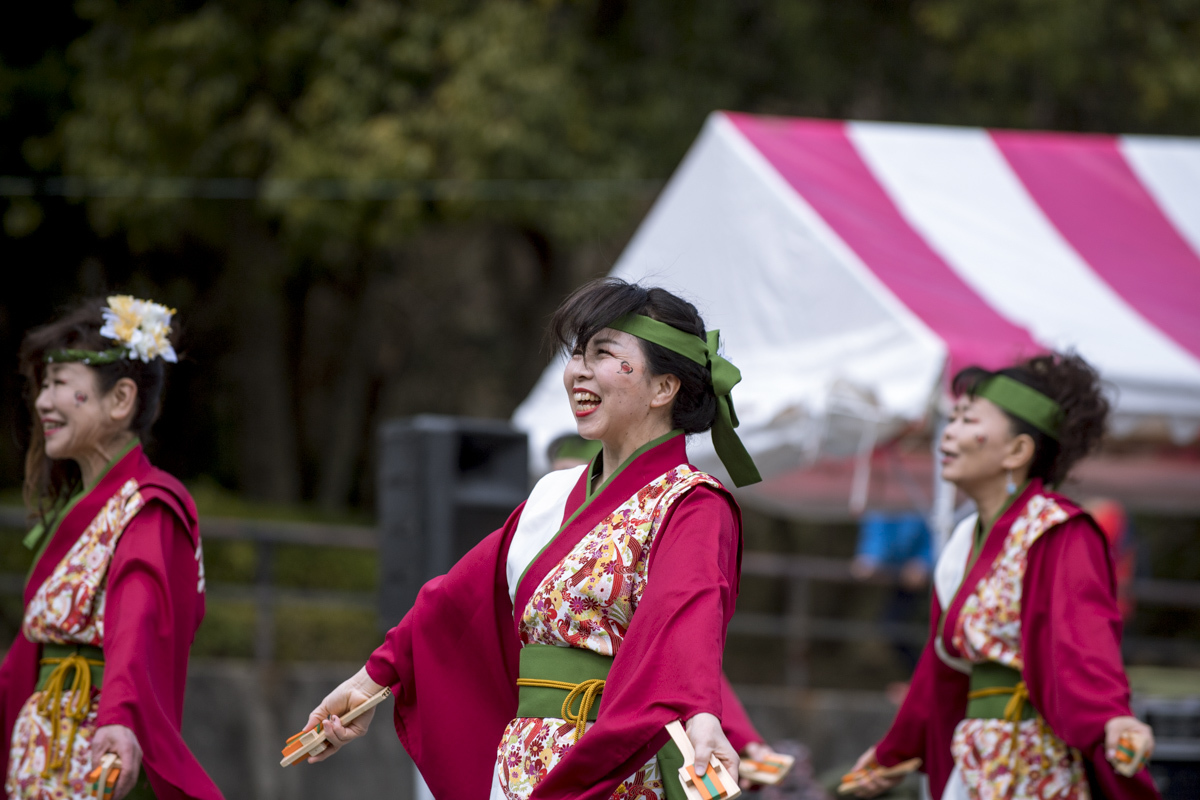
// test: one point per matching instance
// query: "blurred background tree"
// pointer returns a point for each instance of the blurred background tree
(368, 209)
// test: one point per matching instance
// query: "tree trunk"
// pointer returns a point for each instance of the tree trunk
(343, 447)
(255, 281)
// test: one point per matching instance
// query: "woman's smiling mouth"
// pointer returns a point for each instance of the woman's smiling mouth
(585, 402)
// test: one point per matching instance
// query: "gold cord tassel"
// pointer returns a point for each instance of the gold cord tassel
(1012, 713)
(586, 692)
(79, 703)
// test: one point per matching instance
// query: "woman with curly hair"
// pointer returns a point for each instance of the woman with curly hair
(1020, 693)
(116, 590)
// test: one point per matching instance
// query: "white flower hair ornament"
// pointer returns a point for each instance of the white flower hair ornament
(140, 328)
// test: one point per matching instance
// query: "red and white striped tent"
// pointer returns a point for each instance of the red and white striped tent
(853, 266)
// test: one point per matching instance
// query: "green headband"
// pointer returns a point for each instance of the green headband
(725, 376)
(1023, 402)
(89, 357)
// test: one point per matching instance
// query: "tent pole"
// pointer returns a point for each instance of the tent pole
(941, 516)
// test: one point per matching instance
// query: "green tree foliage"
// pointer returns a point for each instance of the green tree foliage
(368, 208)
(344, 114)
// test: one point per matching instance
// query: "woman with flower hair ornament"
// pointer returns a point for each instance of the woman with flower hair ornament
(116, 590)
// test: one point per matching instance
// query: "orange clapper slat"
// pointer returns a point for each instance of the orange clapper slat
(103, 779)
(707, 784)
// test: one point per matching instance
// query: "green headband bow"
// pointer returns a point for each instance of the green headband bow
(1023, 402)
(725, 376)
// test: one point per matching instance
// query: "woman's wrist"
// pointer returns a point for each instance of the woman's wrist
(363, 681)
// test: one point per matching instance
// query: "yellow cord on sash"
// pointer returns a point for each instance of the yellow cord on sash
(586, 692)
(79, 703)
(1012, 713)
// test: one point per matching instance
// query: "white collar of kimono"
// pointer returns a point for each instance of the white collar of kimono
(541, 519)
(948, 576)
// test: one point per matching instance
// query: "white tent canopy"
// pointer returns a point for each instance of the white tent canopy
(851, 266)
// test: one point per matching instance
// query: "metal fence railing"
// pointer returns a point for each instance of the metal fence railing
(266, 536)
(797, 626)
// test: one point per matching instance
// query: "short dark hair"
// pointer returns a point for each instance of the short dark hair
(595, 305)
(49, 482)
(1067, 380)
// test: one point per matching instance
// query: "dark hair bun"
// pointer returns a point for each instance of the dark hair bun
(1072, 383)
(594, 305)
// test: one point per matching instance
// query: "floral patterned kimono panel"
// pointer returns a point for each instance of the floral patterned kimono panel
(50, 749)
(587, 601)
(998, 759)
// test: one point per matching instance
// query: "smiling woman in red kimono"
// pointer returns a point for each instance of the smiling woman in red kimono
(1021, 693)
(547, 662)
(117, 586)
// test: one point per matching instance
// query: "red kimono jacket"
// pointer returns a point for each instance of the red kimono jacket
(1071, 643)
(155, 601)
(452, 662)
(735, 722)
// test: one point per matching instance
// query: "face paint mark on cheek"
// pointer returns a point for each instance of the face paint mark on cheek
(626, 369)
(80, 399)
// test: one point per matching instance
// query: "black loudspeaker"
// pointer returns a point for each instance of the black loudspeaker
(445, 483)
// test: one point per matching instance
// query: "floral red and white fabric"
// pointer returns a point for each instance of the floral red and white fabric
(122, 570)
(588, 602)
(68, 608)
(1035, 764)
(668, 665)
(1068, 640)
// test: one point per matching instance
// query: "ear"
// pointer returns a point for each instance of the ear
(122, 401)
(665, 388)
(1020, 452)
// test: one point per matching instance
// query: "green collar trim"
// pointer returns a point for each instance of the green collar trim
(979, 536)
(590, 473)
(1023, 402)
(725, 376)
(38, 537)
(90, 357)
(983, 531)
(595, 466)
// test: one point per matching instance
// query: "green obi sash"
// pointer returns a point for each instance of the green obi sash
(567, 683)
(998, 692)
(65, 659)
(54, 656)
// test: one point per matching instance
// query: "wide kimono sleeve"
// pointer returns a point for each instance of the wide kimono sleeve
(906, 737)
(1071, 627)
(932, 707)
(735, 722)
(452, 665)
(668, 666)
(154, 604)
(18, 677)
